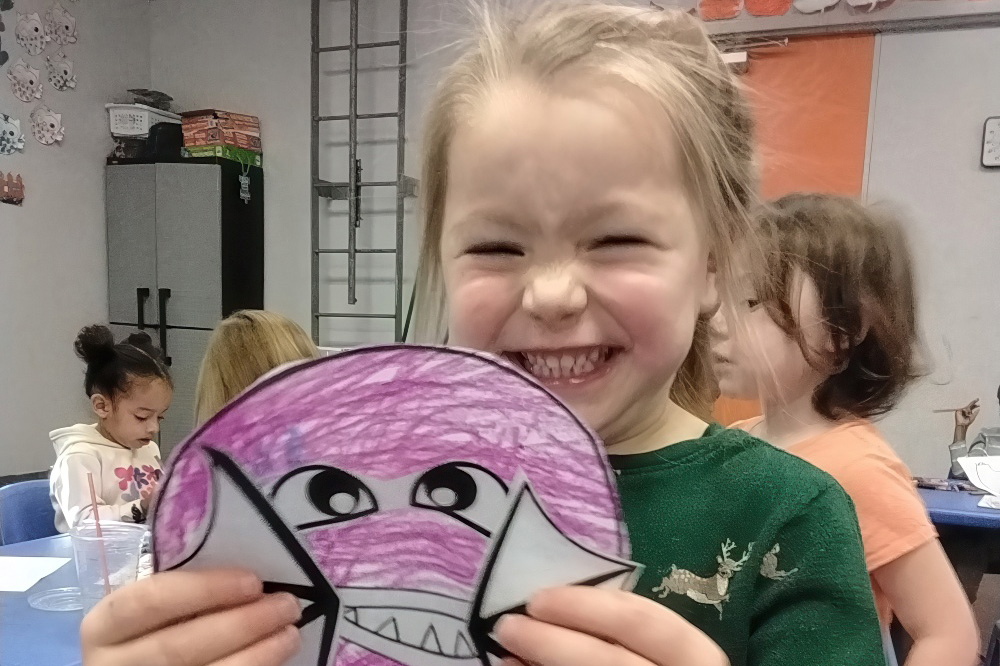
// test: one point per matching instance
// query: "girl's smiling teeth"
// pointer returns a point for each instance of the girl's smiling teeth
(558, 364)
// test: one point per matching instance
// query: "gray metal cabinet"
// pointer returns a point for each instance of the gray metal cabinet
(184, 251)
(131, 220)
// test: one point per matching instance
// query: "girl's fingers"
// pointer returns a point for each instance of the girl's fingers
(274, 650)
(639, 625)
(511, 661)
(536, 642)
(163, 599)
(218, 636)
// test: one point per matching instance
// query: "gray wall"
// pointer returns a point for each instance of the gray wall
(253, 57)
(52, 255)
(933, 93)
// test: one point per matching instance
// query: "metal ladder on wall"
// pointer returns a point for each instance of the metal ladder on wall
(351, 190)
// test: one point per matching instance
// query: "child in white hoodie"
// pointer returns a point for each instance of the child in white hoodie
(130, 389)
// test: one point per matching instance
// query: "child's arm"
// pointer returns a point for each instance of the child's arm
(586, 626)
(193, 618)
(815, 605)
(958, 448)
(71, 490)
(932, 607)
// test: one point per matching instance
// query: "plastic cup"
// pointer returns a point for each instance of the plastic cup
(121, 542)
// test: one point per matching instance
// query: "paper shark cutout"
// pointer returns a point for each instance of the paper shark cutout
(416, 628)
(245, 529)
(529, 554)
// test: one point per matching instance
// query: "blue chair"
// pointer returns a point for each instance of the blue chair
(26, 512)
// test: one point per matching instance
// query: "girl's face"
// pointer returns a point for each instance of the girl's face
(570, 246)
(757, 360)
(133, 420)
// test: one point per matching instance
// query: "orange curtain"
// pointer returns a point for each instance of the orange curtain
(810, 101)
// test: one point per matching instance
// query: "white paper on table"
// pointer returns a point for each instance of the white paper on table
(989, 502)
(983, 472)
(19, 574)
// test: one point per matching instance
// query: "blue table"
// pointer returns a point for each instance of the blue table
(970, 534)
(951, 507)
(29, 637)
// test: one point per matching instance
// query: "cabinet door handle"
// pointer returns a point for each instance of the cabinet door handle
(141, 294)
(164, 294)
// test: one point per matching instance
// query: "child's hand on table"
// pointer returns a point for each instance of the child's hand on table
(176, 618)
(586, 626)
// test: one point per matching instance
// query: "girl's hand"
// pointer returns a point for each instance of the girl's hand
(147, 499)
(587, 626)
(182, 618)
(966, 415)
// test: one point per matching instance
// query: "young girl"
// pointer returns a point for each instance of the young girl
(585, 171)
(829, 343)
(129, 389)
(245, 346)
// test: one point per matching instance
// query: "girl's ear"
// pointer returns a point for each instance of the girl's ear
(710, 301)
(101, 405)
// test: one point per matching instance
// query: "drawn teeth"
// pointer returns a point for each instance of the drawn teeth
(430, 643)
(462, 647)
(401, 625)
(389, 629)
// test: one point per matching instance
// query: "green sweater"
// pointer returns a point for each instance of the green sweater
(755, 547)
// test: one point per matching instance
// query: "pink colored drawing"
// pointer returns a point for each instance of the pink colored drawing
(409, 496)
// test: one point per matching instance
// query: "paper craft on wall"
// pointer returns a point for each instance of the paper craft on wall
(814, 6)
(11, 189)
(46, 126)
(60, 25)
(4, 56)
(60, 71)
(25, 81)
(11, 138)
(409, 497)
(30, 33)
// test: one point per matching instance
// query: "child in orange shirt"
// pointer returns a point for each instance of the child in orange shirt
(824, 338)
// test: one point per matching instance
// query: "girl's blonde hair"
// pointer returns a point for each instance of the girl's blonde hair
(245, 346)
(664, 53)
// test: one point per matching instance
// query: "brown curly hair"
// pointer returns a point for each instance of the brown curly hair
(859, 259)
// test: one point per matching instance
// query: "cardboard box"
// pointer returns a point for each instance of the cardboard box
(221, 137)
(215, 119)
(240, 155)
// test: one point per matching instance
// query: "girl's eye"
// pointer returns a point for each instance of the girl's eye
(159, 418)
(753, 303)
(619, 240)
(496, 248)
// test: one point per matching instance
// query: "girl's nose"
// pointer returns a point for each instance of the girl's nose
(717, 326)
(555, 297)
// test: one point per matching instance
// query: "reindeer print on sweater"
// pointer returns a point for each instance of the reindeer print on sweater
(712, 590)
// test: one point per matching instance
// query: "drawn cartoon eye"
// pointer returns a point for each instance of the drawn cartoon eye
(320, 495)
(469, 493)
